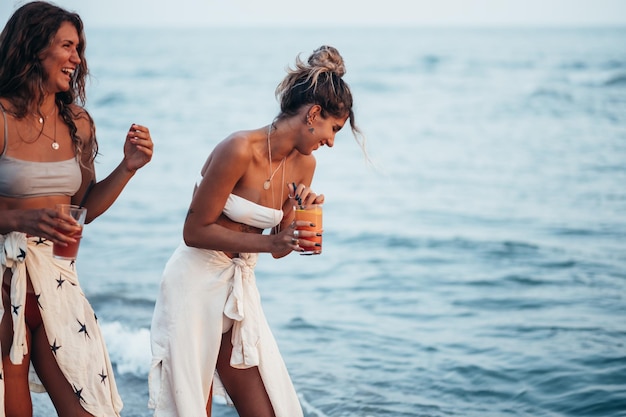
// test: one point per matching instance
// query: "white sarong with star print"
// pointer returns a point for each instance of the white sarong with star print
(71, 326)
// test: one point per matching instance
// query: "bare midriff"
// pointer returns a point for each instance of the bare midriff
(237, 227)
(33, 203)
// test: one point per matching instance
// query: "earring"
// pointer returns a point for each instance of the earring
(309, 123)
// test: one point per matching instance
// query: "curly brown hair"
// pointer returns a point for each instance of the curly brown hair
(25, 37)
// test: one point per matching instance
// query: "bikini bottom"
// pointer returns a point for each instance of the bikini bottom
(31, 313)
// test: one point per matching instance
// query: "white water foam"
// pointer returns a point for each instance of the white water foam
(129, 348)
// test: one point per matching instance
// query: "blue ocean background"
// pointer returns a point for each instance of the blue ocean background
(477, 269)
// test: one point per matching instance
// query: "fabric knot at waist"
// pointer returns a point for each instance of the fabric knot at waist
(13, 249)
(13, 257)
(243, 305)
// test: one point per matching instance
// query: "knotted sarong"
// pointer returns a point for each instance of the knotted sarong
(204, 292)
(71, 326)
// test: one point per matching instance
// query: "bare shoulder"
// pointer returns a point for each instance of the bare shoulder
(3, 107)
(7, 110)
(232, 151)
(82, 119)
(2, 125)
(236, 146)
(80, 114)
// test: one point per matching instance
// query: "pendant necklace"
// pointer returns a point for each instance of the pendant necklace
(268, 182)
(55, 144)
(41, 119)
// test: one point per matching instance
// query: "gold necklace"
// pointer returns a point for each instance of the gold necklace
(277, 227)
(54, 144)
(268, 182)
(41, 118)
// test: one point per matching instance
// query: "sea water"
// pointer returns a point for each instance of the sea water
(477, 268)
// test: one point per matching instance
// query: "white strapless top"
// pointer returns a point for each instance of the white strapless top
(240, 210)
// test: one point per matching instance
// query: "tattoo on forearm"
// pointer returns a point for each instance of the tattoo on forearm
(247, 229)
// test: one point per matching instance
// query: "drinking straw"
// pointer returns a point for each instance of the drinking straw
(297, 197)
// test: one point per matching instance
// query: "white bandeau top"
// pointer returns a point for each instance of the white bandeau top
(244, 211)
(240, 210)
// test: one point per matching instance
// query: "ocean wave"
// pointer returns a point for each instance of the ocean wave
(610, 64)
(551, 94)
(617, 79)
(489, 254)
(568, 392)
(128, 348)
(410, 241)
(601, 231)
(598, 79)
(111, 99)
(298, 323)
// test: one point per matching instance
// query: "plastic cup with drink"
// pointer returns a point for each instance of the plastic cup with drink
(70, 251)
(312, 214)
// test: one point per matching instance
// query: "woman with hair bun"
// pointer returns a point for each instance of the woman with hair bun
(209, 334)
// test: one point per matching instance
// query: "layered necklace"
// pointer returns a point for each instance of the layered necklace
(268, 182)
(42, 120)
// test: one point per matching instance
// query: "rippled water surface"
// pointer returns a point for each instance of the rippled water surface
(479, 270)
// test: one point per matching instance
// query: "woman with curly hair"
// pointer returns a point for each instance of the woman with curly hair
(47, 151)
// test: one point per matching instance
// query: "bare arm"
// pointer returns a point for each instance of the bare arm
(138, 149)
(224, 169)
(43, 222)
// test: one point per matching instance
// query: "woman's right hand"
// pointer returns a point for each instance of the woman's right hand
(49, 224)
(291, 239)
(284, 241)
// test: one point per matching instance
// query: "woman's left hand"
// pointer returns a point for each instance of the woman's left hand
(304, 195)
(138, 147)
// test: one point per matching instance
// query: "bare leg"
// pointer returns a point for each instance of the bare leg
(209, 403)
(60, 391)
(244, 386)
(17, 401)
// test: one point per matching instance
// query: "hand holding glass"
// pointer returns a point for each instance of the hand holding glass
(312, 214)
(70, 251)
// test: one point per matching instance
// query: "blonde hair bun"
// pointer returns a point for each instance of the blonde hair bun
(327, 58)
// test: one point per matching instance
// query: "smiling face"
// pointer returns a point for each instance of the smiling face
(325, 131)
(321, 131)
(61, 59)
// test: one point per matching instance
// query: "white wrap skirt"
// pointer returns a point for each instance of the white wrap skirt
(203, 293)
(70, 323)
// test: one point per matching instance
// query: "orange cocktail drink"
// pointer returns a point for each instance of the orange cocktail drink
(312, 214)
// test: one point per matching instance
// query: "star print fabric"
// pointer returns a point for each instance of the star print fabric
(71, 326)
